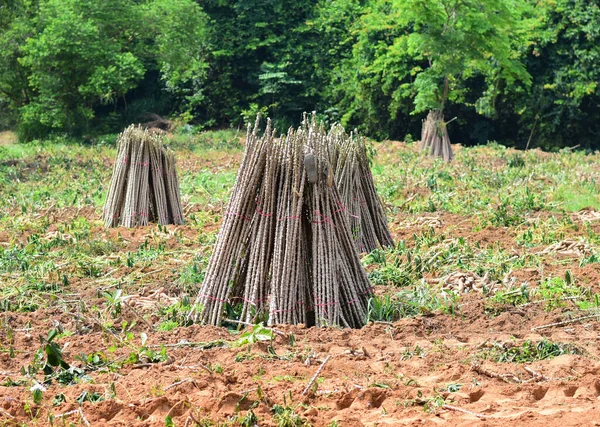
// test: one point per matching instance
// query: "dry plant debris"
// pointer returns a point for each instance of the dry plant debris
(156, 298)
(144, 185)
(588, 215)
(463, 282)
(286, 251)
(568, 247)
(425, 221)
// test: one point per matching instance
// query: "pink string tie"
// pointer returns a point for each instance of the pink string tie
(238, 215)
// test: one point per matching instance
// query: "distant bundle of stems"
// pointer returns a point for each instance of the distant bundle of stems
(144, 186)
(285, 252)
(434, 136)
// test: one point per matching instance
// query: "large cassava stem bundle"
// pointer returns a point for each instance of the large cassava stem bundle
(285, 252)
(144, 185)
(225, 263)
(434, 136)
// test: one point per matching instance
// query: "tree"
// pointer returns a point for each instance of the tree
(180, 47)
(15, 27)
(66, 60)
(330, 44)
(424, 53)
(80, 55)
(258, 59)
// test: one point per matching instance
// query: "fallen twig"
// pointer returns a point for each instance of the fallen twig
(483, 344)
(407, 201)
(3, 412)
(73, 412)
(124, 388)
(464, 411)
(175, 384)
(314, 378)
(83, 418)
(158, 270)
(174, 406)
(66, 414)
(183, 343)
(322, 392)
(138, 315)
(507, 378)
(565, 322)
(192, 367)
(535, 375)
(142, 365)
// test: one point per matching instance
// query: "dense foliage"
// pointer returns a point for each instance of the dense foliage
(515, 71)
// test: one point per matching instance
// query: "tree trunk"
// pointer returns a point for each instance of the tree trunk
(434, 136)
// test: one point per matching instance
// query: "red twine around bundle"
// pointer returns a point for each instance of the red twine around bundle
(325, 219)
(342, 208)
(210, 297)
(254, 303)
(289, 310)
(261, 213)
(238, 215)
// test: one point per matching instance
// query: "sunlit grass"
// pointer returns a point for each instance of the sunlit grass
(574, 197)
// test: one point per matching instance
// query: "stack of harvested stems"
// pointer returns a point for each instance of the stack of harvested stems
(144, 185)
(368, 222)
(285, 252)
(434, 136)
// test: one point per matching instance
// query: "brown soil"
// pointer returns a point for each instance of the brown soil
(375, 375)
(384, 374)
(381, 375)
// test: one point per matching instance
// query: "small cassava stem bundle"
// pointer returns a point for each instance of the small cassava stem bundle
(434, 136)
(144, 185)
(285, 252)
(365, 210)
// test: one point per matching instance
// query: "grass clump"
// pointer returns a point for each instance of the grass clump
(530, 351)
(573, 198)
(557, 292)
(421, 300)
(285, 416)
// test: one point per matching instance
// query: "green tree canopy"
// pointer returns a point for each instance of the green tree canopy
(415, 55)
(67, 58)
(510, 70)
(563, 106)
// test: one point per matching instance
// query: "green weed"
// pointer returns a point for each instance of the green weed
(529, 351)
(285, 416)
(421, 300)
